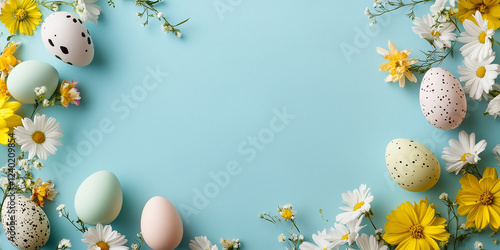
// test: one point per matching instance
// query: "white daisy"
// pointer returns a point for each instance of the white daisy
(87, 10)
(321, 243)
(496, 151)
(439, 35)
(343, 234)
(104, 238)
(479, 76)
(370, 243)
(462, 152)
(358, 203)
(494, 107)
(476, 38)
(39, 137)
(202, 243)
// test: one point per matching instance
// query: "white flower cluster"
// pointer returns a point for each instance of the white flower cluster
(478, 71)
(347, 231)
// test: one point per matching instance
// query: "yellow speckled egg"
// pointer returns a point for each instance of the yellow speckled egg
(412, 165)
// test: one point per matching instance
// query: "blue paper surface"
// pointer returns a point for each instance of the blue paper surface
(287, 95)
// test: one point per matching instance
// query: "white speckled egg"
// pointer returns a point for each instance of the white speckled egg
(411, 165)
(25, 223)
(442, 99)
(66, 37)
(99, 198)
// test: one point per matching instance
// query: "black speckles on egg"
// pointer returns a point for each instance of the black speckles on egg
(442, 99)
(70, 41)
(412, 166)
(31, 227)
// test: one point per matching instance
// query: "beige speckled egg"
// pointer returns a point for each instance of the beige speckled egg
(442, 99)
(25, 224)
(411, 165)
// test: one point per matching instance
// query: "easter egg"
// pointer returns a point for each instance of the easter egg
(99, 198)
(161, 224)
(442, 99)
(25, 224)
(412, 165)
(66, 37)
(27, 76)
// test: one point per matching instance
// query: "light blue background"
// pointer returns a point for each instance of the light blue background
(227, 75)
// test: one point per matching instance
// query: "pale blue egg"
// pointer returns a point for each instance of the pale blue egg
(99, 198)
(28, 75)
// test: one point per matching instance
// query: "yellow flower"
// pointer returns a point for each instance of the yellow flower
(490, 10)
(22, 15)
(42, 191)
(4, 92)
(415, 226)
(69, 93)
(398, 65)
(286, 214)
(480, 200)
(8, 119)
(7, 59)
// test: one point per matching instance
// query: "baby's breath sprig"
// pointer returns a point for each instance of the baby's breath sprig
(381, 8)
(78, 224)
(138, 242)
(149, 10)
(230, 244)
(432, 58)
(286, 213)
(460, 231)
(54, 5)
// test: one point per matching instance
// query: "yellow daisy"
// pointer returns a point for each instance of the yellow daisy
(415, 226)
(3, 89)
(22, 15)
(398, 65)
(490, 10)
(7, 59)
(480, 200)
(43, 190)
(8, 119)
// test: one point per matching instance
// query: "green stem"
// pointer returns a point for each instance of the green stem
(370, 219)
(293, 222)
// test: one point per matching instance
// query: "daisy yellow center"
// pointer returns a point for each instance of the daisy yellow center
(482, 8)
(464, 157)
(287, 214)
(42, 191)
(417, 231)
(486, 198)
(103, 245)
(435, 33)
(481, 72)
(482, 37)
(345, 237)
(38, 137)
(21, 14)
(359, 205)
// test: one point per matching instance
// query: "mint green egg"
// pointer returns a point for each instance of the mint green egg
(28, 75)
(99, 198)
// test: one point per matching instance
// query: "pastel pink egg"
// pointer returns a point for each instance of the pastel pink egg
(442, 99)
(161, 224)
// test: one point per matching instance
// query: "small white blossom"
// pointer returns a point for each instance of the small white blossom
(301, 237)
(134, 246)
(46, 103)
(64, 243)
(464, 227)
(367, 11)
(40, 90)
(478, 245)
(294, 237)
(496, 151)
(139, 15)
(178, 34)
(281, 238)
(159, 15)
(60, 207)
(4, 182)
(55, 7)
(37, 164)
(443, 196)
